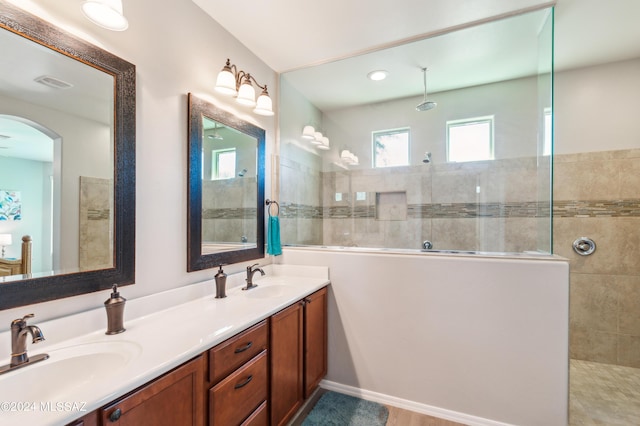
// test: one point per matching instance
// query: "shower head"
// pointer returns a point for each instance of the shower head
(427, 158)
(425, 105)
(241, 174)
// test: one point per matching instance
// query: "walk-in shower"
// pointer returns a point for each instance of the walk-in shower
(473, 174)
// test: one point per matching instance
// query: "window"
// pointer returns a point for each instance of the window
(470, 139)
(223, 163)
(391, 148)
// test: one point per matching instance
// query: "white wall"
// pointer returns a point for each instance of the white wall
(476, 340)
(28, 177)
(513, 104)
(177, 49)
(86, 150)
(596, 108)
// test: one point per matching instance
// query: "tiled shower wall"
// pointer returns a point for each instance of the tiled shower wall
(225, 217)
(490, 206)
(480, 206)
(597, 195)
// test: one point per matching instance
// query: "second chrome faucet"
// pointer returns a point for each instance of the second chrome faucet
(250, 271)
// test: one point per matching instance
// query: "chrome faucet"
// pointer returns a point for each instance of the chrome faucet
(250, 271)
(19, 331)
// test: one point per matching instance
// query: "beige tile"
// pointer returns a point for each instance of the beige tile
(630, 178)
(628, 304)
(591, 179)
(454, 234)
(628, 351)
(616, 241)
(391, 206)
(403, 234)
(594, 302)
(457, 186)
(590, 345)
(602, 394)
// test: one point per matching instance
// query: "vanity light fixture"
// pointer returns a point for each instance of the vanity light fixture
(349, 158)
(377, 75)
(317, 138)
(106, 14)
(324, 144)
(308, 132)
(5, 240)
(236, 83)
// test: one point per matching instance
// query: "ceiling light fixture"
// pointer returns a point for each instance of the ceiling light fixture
(236, 83)
(106, 14)
(377, 75)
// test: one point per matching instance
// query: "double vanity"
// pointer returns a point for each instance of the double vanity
(250, 358)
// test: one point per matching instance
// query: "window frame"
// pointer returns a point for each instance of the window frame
(470, 121)
(385, 132)
(215, 163)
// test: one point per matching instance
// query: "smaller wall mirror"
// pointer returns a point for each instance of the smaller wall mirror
(226, 188)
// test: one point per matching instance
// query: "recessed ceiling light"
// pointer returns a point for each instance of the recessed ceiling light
(377, 75)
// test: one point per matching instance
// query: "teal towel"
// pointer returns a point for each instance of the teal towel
(274, 247)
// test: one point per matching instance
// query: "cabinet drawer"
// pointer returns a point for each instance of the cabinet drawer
(231, 354)
(234, 399)
(260, 417)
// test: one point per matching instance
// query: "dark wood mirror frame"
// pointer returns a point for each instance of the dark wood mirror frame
(198, 109)
(30, 290)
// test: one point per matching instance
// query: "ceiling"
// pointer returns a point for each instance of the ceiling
(326, 48)
(89, 94)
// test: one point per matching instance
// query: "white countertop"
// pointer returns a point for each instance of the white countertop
(159, 337)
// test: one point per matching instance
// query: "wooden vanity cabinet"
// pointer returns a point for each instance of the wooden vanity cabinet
(298, 351)
(315, 340)
(238, 373)
(259, 377)
(173, 399)
(90, 419)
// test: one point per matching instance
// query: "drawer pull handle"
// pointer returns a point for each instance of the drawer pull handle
(245, 383)
(115, 415)
(244, 348)
(307, 300)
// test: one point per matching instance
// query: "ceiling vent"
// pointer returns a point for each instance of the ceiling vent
(53, 82)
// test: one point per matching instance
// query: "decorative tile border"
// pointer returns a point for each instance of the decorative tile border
(596, 208)
(232, 213)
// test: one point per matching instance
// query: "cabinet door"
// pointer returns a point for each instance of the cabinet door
(173, 399)
(286, 363)
(315, 340)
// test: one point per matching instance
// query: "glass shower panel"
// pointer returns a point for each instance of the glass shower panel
(489, 73)
(545, 135)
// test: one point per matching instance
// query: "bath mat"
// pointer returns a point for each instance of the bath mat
(336, 409)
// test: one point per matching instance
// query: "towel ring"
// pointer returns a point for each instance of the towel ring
(268, 202)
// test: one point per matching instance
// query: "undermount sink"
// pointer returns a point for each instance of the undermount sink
(266, 292)
(65, 370)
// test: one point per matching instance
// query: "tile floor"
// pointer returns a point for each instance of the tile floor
(603, 394)
(599, 394)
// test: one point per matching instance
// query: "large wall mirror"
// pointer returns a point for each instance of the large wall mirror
(67, 162)
(226, 187)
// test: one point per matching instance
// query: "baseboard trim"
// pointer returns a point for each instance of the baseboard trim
(410, 405)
